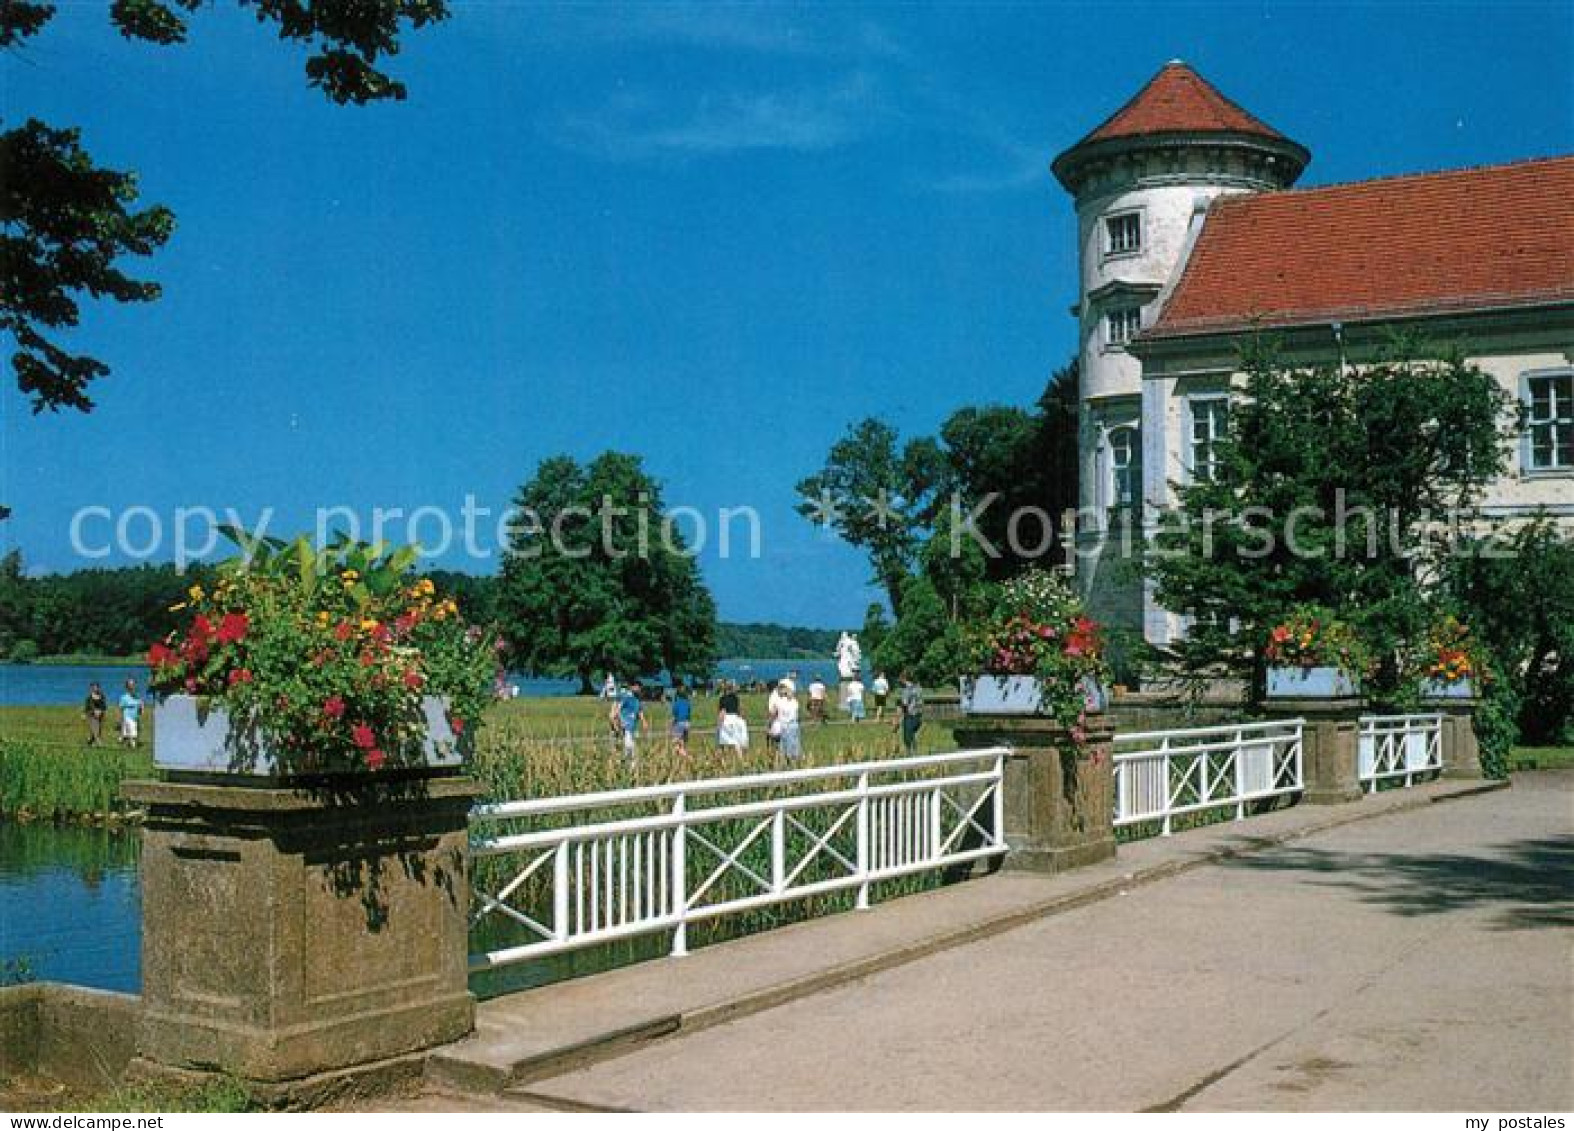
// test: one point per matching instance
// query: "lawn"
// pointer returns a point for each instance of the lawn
(1542, 758)
(528, 748)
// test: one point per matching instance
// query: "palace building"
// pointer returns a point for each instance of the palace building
(1192, 237)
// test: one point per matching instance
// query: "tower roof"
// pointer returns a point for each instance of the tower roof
(1178, 100)
(1178, 107)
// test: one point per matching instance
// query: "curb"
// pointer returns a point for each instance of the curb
(475, 1077)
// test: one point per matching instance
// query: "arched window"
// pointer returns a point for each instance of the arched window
(1124, 448)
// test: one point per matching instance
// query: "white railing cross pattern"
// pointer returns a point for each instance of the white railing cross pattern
(1160, 775)
(1399, 746)
(629, 876)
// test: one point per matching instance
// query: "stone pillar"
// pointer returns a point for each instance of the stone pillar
(1330, 744)
(289, 933)
(1461, 751)
(1059, 800)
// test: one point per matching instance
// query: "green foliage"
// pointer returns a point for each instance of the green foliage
(777, 641)
(925, 643)
(68, 221)
(876, 628)
(1364, 458)
(889, 498)
(24, 651)
(1517, 594)
(51, 783)
(591, 584)
(877, 494)
(102, 612)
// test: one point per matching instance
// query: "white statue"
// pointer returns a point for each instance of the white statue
(849, 656)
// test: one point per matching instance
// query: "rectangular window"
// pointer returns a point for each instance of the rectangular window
(1122, 325)
(1551, 421)
(1125, 466)
(1209, 422)
(1123, 233)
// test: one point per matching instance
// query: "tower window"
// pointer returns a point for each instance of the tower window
(1123, 233)
(1550, 422)
(1125, 466)
(1122, 324)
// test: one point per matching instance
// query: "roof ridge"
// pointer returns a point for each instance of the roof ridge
(1301, 191)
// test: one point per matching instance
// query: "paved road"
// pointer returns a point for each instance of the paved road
(1422, 961)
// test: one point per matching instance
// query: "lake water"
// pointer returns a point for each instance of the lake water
(70, 905)
(41, 685)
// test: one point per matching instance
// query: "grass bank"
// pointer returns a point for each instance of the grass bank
(529, 748)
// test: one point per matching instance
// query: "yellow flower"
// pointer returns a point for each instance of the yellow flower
(195, 592)
(368, 625)
(350, 575)
(177, 606)
(323, 618)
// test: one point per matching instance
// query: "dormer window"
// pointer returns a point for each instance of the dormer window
(1123, 234)
(1121, 325)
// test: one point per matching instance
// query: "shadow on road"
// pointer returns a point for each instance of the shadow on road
(1531, 881)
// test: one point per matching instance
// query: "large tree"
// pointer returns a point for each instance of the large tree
(595, 581)
(67, 222)
(888, 497)
(1334, 487)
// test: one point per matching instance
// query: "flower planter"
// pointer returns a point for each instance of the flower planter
(1448, 688)
(1001, 695)
(1311, 683)
(1019, 695)
(189, 740)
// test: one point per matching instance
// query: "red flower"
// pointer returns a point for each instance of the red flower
(159, 655)
(363, 736)
(342, 630)
(191, 685)
(333, 706)
(458, 724)
(413, 680)
(232, 629)
(240, 675)
(375, 759)
(201, 628)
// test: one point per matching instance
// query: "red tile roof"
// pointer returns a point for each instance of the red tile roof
(1178, 100)
(1435, 243)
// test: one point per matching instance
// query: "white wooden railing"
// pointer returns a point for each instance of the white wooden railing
(1399, 746)
(697, 850)
(1162, 774)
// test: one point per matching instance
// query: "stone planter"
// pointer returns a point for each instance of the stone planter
(189, 740)
(290, 933)
(1448, 688)
(1311, 683)
(1018, 695)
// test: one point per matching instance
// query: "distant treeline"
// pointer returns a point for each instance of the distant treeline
(774, 641)
(119, 612)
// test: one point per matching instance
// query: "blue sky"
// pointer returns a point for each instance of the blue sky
(711, 235)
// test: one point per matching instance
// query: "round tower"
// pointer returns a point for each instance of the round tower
(1142, 181)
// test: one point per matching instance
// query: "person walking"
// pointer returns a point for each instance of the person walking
(882, 691)
(732, 730)
(909, 713)
(773, 730)
(682, 713)
(817, 700)
(94, 709)
(784, 722)
(854, 690)
(131, 716)
(627, 716)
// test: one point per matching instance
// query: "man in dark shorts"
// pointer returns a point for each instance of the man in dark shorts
(910, 713)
